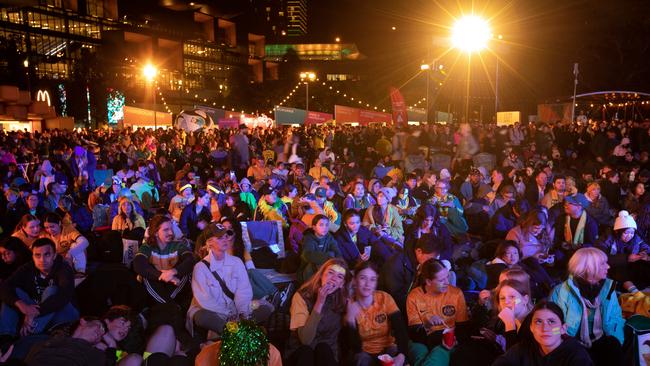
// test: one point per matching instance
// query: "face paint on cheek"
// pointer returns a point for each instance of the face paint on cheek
(517, 301)
(557, 331)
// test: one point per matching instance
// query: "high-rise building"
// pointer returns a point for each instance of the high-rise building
(284, 17)
(296, 17)
(199, 51)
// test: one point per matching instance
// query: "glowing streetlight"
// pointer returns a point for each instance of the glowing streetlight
(337, 39)
(425, 67)
(307, 76)
(470, 34)
(150, 71)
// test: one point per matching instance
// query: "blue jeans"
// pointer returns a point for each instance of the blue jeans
(10, 316)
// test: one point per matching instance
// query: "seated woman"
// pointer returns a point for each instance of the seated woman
(449, 208)
(353, 239)
(127, 218)
(590, 306)
(383, 218)
(433, 308)
(358, 199)
(28, 230)
(318, 245)
(317, 310)
(70, 244)
(375, 324)
(427, 221)
(531, 236)
(506, 256)
(13, 254)
(221, 287)
(196, 216)
(235, 208)
(503, 329)
(164, 264)
(628, 253)
(549, 343)
(183, 198)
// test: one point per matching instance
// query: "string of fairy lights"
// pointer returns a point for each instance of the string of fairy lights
(295, 90)
(352, 100)
(198, 99)
(417, 104)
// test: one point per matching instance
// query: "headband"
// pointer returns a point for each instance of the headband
(338, 269)
(185, 187)
(213, 189)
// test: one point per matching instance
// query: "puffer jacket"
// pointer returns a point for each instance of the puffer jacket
(567, 296)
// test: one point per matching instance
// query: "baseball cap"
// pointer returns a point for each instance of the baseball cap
(219, 231)
(573, 200)
(60, 178)
(267, 190)
(321, 192)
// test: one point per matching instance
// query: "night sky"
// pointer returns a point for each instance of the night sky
(610, 40)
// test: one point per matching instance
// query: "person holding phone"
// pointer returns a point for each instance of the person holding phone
(317, 310)
(356, 242)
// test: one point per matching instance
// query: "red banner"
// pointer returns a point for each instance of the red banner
(345, 114)
(400, 115)
(317, 118)
(366, 116)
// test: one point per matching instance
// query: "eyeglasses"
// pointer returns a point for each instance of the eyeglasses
(229, 233)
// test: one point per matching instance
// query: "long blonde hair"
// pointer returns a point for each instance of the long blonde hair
(309, 290)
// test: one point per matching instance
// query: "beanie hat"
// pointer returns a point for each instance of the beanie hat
(444, 174)
(624, 221)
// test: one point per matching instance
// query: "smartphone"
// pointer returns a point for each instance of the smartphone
(366, 250)
(232, 174)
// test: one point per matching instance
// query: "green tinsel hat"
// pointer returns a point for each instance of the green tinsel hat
(244, 343)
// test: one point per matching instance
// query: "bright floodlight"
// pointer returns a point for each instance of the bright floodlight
(470, 33)
(308, 75)
(149, 72)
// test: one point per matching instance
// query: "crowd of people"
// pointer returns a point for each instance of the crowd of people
(413, 245)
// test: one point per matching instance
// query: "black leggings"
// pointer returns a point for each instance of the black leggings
(321, 355)
(606, 351)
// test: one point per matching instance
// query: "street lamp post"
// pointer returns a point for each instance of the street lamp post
(150, 73)
(307, 76)
(470, 34)
(427, 68)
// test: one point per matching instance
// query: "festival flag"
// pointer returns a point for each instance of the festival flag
(400, 115)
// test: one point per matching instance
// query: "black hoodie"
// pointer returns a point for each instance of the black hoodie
(569, 353)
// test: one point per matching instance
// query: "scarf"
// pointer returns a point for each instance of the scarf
(585, 336)
(577, 239)
(589, 297)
